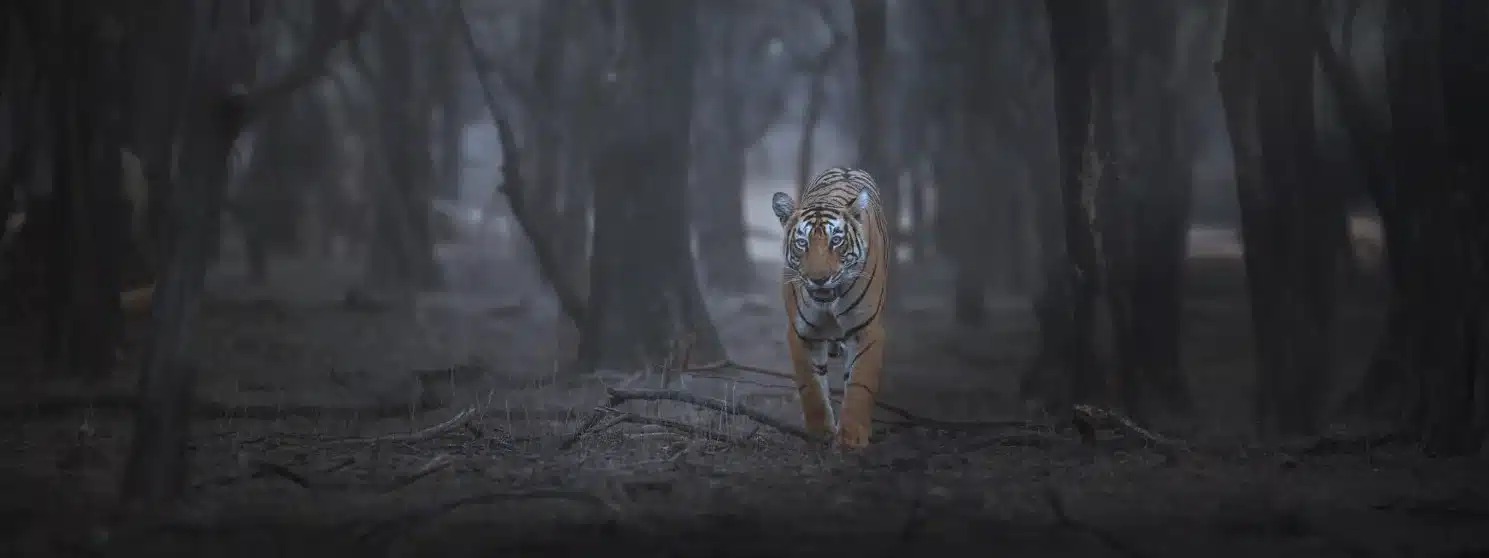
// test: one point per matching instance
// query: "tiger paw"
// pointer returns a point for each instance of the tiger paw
(852, 437)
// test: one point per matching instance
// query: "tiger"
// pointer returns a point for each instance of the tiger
(835, 283)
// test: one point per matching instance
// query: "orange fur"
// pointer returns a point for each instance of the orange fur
(835, 246)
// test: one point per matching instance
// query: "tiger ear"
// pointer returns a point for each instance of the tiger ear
(783, 206)
(861, 203)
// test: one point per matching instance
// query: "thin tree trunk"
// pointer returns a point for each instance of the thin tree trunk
(871, 34)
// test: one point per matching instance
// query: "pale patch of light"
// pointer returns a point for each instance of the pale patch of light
(775, 47)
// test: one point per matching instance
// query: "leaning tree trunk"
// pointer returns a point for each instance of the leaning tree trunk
(643, 294)
(1266, 85)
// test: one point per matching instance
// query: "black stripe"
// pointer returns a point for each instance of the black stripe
(848, 374)
(866, 286)
(872, 317)
(865, 348)
(809, 339)
(801, 314)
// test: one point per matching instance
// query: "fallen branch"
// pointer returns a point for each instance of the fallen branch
(618, 396)
(584, 429)
(460, 419)
(1095, 417)
(622, 417)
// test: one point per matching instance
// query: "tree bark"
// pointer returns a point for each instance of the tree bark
(1148, 218)
(87, 204)
(1266, 87)
(1431, 368)
(643, 294)
(1068, 303)
(402, 255)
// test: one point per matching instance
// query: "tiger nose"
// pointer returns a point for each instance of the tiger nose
(818, 282)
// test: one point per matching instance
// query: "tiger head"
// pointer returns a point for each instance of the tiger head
(826, 246)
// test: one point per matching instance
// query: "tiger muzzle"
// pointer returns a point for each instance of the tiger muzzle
(824, 294)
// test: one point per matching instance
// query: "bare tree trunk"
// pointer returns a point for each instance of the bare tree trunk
(157, 469)
(643, 294)
(719, 171)
(1431, 369)
(402, 255)
(87, 205)
(1147, 219)
(1266, 86)
(212, 116)
(1068, 303)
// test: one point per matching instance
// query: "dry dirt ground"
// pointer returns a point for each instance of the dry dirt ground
(319, 430)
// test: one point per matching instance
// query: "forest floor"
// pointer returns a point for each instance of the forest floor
(319, 430)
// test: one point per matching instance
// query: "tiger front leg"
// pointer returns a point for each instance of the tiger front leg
(809, 367)
(861, 385)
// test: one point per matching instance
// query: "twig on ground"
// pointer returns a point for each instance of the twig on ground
(584, 429)
(618, 396)
(459, 420)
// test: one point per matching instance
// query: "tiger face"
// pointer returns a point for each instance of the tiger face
(825, 245)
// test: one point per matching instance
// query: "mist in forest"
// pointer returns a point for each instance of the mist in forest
(478, 251)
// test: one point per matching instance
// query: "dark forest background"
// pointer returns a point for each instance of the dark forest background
(1270, 211)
